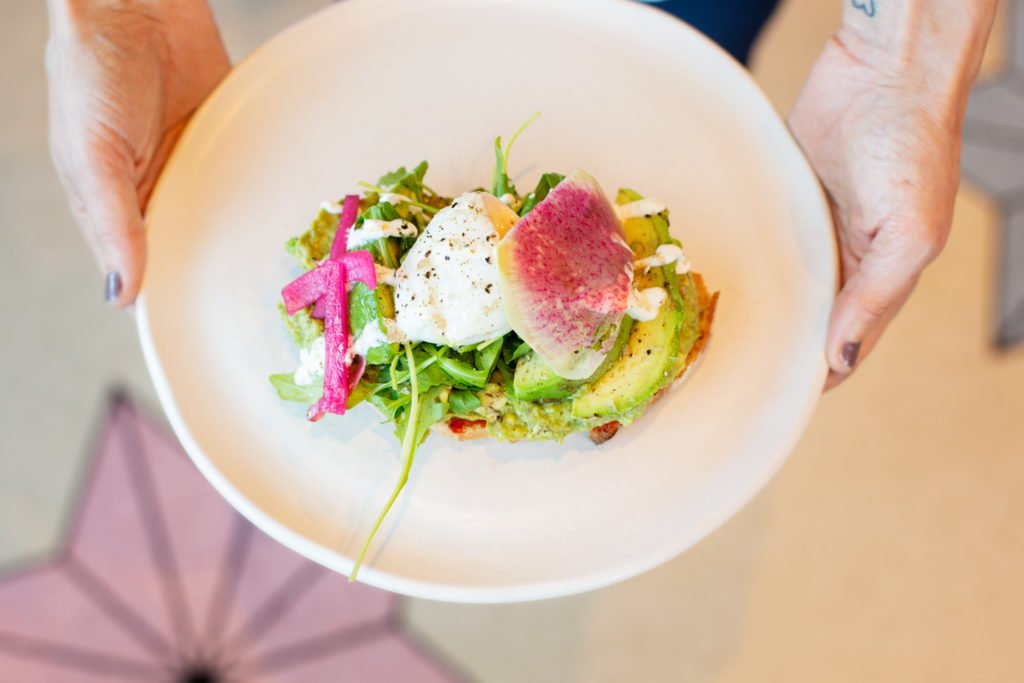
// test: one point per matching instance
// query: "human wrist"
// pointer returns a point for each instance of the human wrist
(934, 45)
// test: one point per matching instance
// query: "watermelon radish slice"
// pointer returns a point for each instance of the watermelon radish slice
(326, 287)
(349, 214)
(336, 365)
(309, 288)
(565, 273)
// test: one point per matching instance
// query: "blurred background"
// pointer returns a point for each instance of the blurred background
(890, 546)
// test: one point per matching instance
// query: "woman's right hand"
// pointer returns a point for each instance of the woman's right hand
(124, 77)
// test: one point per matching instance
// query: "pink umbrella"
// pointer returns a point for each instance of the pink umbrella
(161, 580)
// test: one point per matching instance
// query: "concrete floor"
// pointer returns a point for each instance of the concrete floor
(889, 547)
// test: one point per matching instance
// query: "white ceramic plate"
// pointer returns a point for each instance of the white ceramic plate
(628, 93)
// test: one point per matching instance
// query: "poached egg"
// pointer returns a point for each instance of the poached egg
(446, 290)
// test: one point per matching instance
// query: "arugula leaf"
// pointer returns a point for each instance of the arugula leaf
(288, 390)
(434, 376)
(422, 412)
(363, 310)
(381, 355)
(432, 411)
(411, 201)
(427, 374)
(382, 250)
(462, 402)
(501, 184)
(360, 393)
(513, 348)
(520, 351)
(389, 406)
(381, 211)
(410, 180)
(507, 385)
(546, 183)
(463, 372)
(485, 358)
(362, 307)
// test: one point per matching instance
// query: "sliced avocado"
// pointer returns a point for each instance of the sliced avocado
(385, 299)
(625, 329)
(660, 224)
(646, 363)
(535, 380)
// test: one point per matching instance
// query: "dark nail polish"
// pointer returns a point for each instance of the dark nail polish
(112, 289)
(849, 354)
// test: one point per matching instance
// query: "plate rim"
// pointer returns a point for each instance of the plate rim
(337, 561)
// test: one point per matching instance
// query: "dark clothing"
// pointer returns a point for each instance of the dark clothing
(734, 24)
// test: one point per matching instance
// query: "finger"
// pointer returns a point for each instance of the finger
(873, 295)
(106, 207)
(834, 379)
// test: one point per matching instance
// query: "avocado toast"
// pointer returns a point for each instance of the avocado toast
(647, 359)
(521, 317)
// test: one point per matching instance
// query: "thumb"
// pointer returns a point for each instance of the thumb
(872, 296)
(106, 207)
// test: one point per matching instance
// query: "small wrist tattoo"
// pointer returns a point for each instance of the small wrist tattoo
(865, 6)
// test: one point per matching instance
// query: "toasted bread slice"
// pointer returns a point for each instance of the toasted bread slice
(462, 430)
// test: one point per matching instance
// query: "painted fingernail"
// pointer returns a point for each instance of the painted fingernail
(112, 288)
(849, 354)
